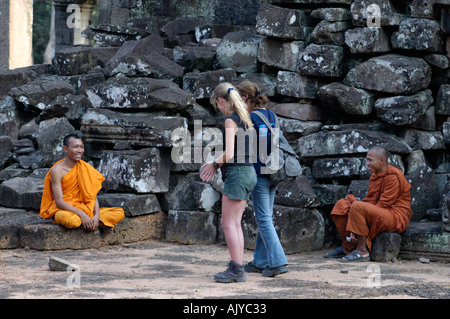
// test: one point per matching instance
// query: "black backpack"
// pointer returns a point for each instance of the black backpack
(287, 159)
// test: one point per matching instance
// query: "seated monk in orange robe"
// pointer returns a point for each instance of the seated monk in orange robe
(386, 208)
(70, 192)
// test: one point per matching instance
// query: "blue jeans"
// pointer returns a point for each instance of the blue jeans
(268, 250)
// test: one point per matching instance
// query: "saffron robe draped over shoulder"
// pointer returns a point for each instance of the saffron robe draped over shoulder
(80, 187)
(386, 208)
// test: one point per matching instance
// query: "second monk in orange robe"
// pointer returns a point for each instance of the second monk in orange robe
(70, 192)
(386, 208)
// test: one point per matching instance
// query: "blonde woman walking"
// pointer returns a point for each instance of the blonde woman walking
(238, 175)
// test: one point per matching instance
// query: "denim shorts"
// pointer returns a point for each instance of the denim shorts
(239, 182)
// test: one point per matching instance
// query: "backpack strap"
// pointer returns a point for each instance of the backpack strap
(266, 121)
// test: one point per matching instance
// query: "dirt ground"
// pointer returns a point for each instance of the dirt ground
(161, 270)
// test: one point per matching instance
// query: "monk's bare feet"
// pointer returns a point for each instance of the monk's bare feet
(104, 230)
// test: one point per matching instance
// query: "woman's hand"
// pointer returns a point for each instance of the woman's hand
(208, 171)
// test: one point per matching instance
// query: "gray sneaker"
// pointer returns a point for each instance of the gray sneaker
(234, 273)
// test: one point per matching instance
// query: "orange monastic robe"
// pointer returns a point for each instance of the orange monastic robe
(386, 208)
(80, 187)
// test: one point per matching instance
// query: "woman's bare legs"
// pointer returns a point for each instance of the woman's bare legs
(232, 211)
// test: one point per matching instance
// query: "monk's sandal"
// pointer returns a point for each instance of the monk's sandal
(354, 256)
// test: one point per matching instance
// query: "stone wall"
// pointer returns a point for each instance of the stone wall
(338, 86)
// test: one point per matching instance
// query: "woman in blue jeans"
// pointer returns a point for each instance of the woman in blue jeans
(269, 257)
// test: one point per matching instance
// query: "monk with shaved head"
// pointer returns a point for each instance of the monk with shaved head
(386, 208)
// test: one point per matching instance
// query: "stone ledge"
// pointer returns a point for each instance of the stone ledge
(425, 239)
(20, 228)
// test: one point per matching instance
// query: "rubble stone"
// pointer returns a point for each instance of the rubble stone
(143, 171)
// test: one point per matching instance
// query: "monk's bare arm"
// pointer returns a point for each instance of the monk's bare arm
(57, 176)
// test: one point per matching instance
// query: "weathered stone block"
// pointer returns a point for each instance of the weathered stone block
(283, 23)
(81, 59)
(321, 60)
(139, 93)
(239, 51)
(359, 188)
(107, 35)
(424, 192)
(59, 264)
(40, 93)
(189, 193)
(153, 65)
(22, 192)
(424, 140)
(326, 32)
(14, 78)
(293, 128)
(140, 129)
(73, 107)
(132, 204)
(363, 14)
(299, 111)
(280, 54)
(203, 84)
(6, 147)
(55, 237)
(191, 57)
(329, 194)
(47, 236)
(367, 40)
(446, 132)
(11, 221)
(296, 192)
(443, 100)
(299, 229)
(349, 99)
(325, 143)
(385, 247)
(142, 171)
(138, 228)
(402, 110)
(332, 14)
(297, 85)
(50, 139)
(418, 34)
(393, 73)
(425, 239)
(337, 167)
(191, 227)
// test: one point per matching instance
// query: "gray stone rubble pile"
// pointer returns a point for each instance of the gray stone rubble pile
(340, 80)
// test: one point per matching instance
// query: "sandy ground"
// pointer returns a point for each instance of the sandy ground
(161, 270)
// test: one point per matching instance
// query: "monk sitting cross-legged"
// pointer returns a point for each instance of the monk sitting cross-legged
(386, 208)
(70, 192)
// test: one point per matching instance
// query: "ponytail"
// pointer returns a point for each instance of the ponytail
(251, 92)
(236, 103)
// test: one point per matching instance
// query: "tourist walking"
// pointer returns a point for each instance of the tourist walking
(238, 175)
(269, 257)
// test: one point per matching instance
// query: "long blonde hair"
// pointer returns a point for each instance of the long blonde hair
(235, 102)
